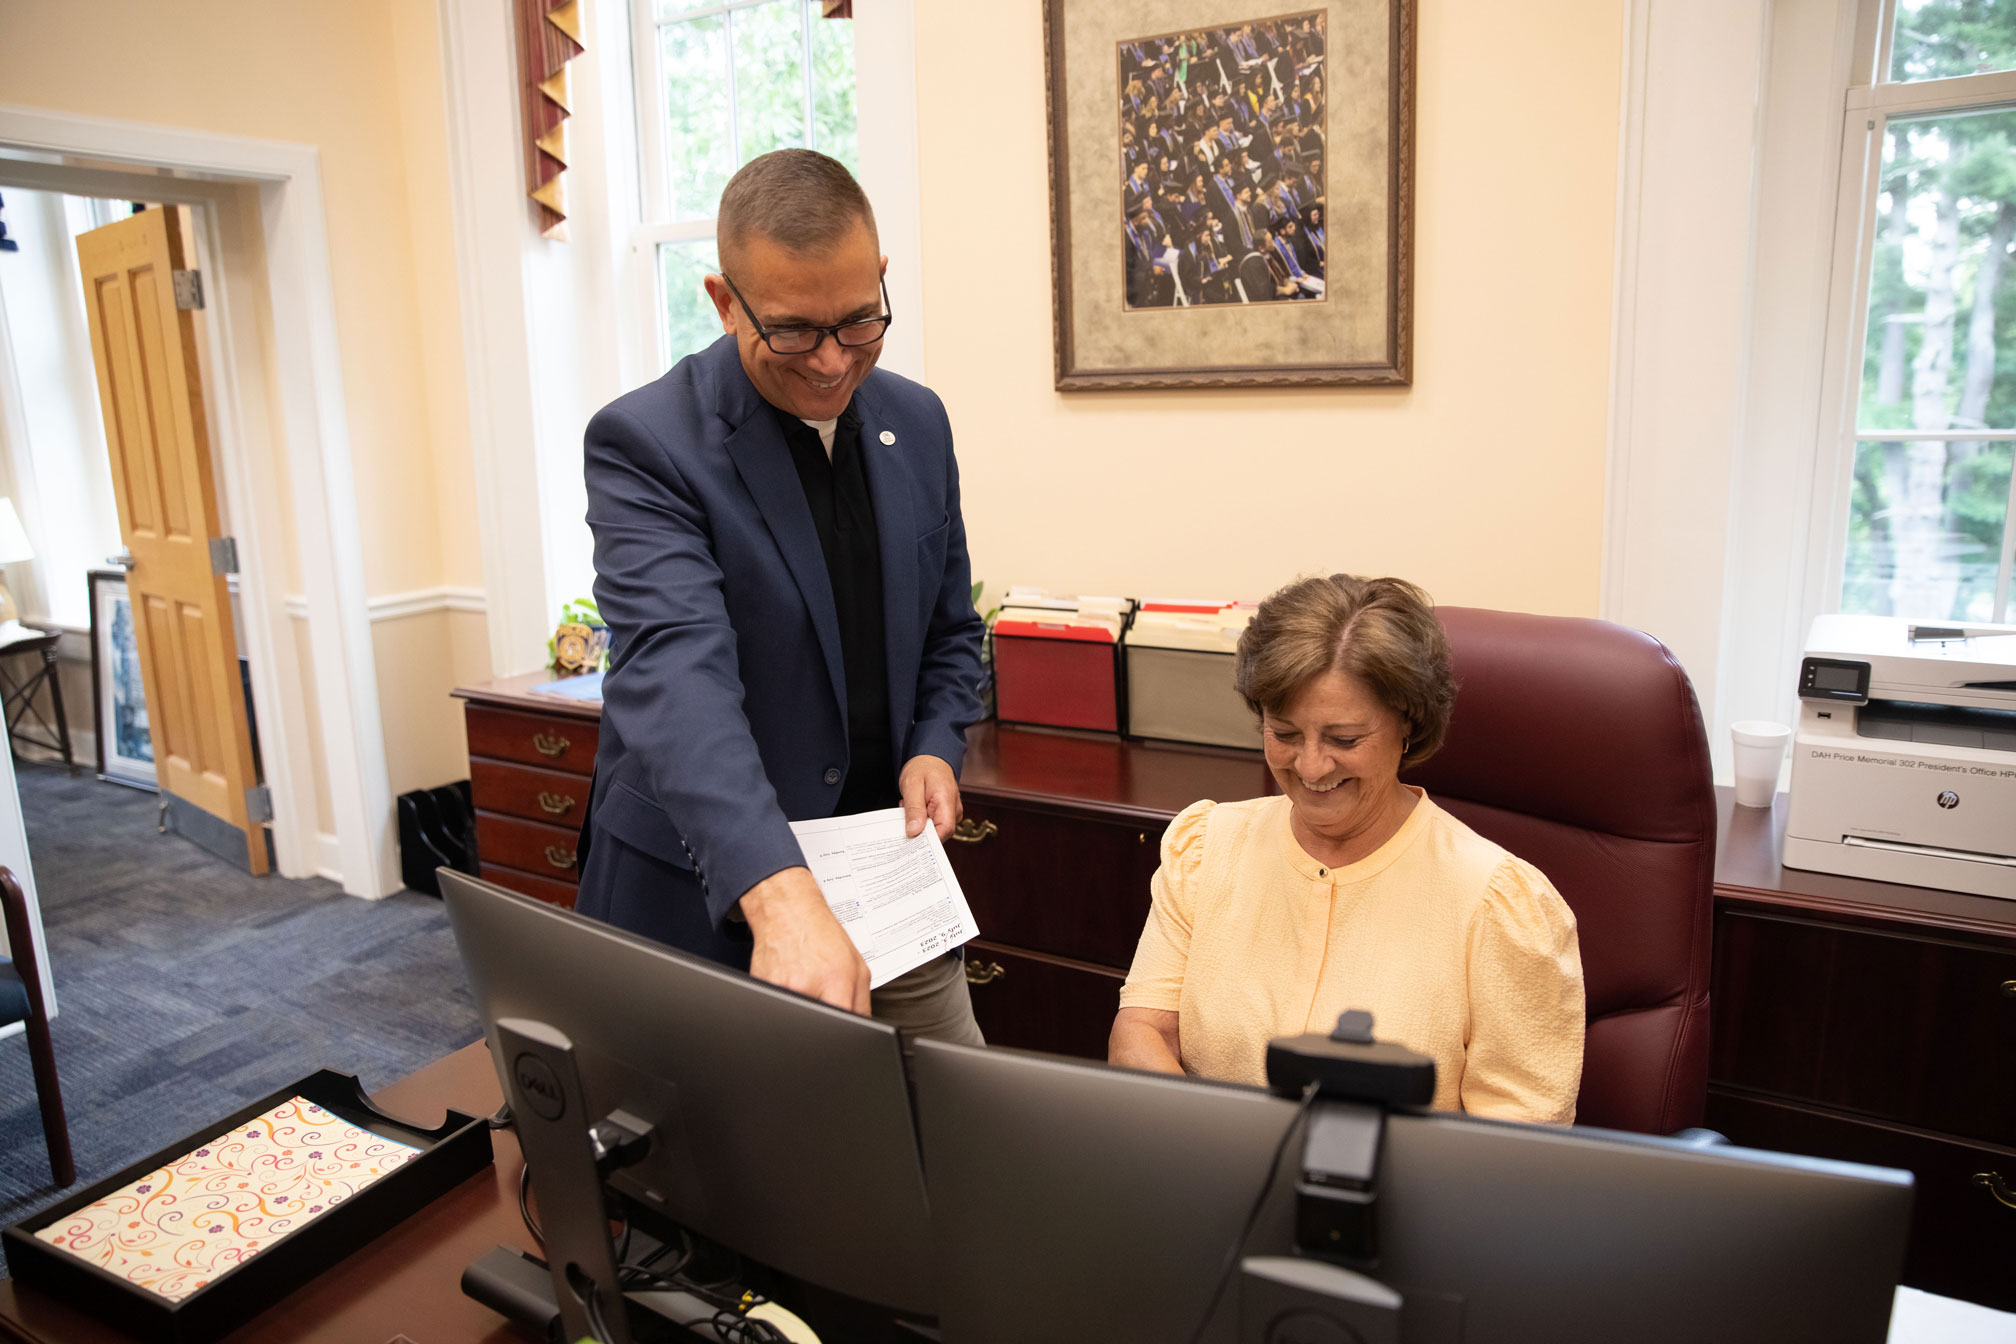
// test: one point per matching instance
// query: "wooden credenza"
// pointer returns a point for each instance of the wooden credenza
(1855, 1020)
(531, 758)
(1872, 1023)
(1062, 832)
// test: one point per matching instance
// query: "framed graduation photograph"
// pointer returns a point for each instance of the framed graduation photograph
(125, 741)
(1231, 192)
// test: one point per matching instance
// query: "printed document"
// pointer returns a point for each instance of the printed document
(895, 896)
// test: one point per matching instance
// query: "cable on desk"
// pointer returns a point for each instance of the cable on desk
(525, 1207)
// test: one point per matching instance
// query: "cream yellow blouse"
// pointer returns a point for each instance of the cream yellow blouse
(1459, 950)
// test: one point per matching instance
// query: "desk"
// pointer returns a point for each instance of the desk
(531, 758)
(1873, 1023)
(1849, 1019)
(407, 1284)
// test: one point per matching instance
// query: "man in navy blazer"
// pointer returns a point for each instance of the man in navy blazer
(780, 556)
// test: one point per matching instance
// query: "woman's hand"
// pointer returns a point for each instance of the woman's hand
(1145, 1038)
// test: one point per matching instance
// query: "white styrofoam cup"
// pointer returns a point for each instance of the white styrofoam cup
(1760, 749)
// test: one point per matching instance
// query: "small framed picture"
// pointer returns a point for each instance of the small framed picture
(125, 742)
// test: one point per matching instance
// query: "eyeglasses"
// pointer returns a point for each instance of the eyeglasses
(804, 340)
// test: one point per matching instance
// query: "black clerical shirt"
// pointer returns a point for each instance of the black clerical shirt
(844, 516)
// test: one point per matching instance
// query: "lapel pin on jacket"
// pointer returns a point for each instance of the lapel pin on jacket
(888, 436)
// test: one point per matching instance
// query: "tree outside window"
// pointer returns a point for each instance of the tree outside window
(1929, 510)
(719, 84)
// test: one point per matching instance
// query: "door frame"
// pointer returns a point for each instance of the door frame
(207, 172)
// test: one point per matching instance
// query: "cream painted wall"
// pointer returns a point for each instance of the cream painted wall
(416, 673)
(420, 658)
(431, 231)
(327, 76)
(361, 83)
(1484, 481)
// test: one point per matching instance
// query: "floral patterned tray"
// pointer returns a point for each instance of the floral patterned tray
(200, 1237)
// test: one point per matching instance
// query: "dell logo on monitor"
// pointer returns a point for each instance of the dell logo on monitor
(539, 1087)
(1949, 800)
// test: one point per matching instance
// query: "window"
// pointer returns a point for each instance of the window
(717, 85)
(1928, 418)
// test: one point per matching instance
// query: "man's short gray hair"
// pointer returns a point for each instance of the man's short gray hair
(800, 199)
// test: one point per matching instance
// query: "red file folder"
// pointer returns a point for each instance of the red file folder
(1055, 673)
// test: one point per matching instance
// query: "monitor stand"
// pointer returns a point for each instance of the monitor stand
(1290, 1300)
(1323, 1294)
(570, 1155)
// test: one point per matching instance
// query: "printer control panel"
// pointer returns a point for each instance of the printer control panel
(1834, 679)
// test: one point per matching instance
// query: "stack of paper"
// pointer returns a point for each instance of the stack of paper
(1024, 612)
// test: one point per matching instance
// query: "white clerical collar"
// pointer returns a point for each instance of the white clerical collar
(825, 428)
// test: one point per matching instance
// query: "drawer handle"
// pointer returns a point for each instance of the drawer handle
(987, 972)
(549, 744)
(2009, 988)
(556, 803)
(558, 857)
(971, 832)
(1991, 1181)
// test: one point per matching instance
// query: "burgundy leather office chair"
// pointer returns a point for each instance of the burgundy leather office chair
(1578, 745)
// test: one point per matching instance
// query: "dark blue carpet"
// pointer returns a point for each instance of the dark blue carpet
(186, 989)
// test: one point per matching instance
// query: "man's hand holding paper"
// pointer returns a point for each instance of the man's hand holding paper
(893, 892)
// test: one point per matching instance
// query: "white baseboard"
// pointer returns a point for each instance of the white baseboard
(328, 858)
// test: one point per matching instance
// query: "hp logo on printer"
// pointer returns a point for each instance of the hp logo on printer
(1949, 800)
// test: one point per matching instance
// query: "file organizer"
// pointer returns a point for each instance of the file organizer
(1179, 656)
(448, 1154)
(1057, 660)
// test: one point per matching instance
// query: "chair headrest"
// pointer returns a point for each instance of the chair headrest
(1578, 720)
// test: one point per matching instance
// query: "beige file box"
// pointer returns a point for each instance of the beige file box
(1179, 677)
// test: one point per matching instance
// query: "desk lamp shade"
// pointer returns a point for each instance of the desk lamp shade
(13, 547)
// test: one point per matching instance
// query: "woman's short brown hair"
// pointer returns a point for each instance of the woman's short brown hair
(1381, 631)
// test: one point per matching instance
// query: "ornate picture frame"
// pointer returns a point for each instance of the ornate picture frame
(1178, 296)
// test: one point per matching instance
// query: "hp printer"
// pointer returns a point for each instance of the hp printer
(1904, 762)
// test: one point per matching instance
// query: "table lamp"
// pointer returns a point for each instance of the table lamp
(14, 547)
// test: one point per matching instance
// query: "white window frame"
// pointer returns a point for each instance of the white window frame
(643, 276)
(1868, 107)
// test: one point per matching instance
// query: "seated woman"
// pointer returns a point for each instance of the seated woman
(1351, 889)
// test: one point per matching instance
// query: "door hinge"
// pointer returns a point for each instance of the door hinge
(223, 555)
(188, 290)
(259, 803)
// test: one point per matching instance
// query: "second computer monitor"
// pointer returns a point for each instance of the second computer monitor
(1078, 1203)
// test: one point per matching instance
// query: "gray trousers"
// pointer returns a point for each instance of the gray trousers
(931, 1000)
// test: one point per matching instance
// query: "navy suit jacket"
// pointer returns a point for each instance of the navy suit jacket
(724, 709)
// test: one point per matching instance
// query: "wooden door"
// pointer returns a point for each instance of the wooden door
(151, 397)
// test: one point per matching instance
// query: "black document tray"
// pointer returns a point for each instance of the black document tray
(450, 1154)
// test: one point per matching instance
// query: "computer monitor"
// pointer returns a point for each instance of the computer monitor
(783, 1126)
(1098, 1204)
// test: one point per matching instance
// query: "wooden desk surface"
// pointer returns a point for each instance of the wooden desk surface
(407, 1283)
(1751, 844)
(517, 693)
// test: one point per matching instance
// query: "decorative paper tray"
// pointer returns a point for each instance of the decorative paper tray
(205, 1234)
